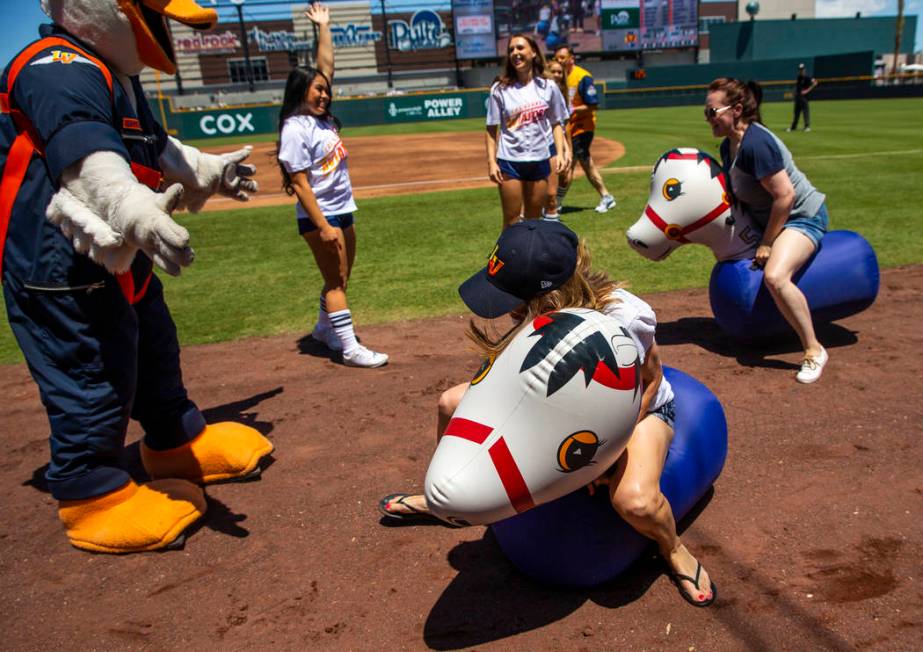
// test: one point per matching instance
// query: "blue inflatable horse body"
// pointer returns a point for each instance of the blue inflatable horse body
(689, 203)
(580, 541)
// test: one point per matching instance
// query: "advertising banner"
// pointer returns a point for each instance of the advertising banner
(598, 25)
(417, 33)
(649, 24)
(475, 32)
(621, 25)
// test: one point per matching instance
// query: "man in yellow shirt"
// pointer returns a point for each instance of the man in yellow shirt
(581, 127)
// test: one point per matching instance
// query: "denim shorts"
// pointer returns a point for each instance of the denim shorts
(813, 227)
(666, 413)
(342, 221)
(525, 170)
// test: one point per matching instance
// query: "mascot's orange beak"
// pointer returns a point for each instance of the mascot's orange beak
(149, 23)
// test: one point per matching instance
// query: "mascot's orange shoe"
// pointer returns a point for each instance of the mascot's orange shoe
(135, 518)
(224, 451)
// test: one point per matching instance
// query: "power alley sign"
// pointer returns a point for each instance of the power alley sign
(408, 109)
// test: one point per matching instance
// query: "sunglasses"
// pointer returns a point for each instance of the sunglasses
(711, 112)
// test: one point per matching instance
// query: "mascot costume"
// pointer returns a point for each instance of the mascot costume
(89, 182)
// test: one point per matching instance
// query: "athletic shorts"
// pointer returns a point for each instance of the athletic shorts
(525, 170)
(342, 221)
(666, 413)
(813, 227)
(582, 145)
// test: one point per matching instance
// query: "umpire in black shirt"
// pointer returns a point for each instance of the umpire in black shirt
(804, 84)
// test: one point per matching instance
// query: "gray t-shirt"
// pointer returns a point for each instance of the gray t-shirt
(761, 154)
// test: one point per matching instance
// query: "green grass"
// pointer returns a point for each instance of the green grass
(253, 275)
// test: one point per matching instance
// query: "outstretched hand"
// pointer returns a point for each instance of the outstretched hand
(237, 178)
(318, 14)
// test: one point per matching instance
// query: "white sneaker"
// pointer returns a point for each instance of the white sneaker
(363, 357)
(788, 129)
(812, 368)
(807, 129)
(327, 337)
(605, 203)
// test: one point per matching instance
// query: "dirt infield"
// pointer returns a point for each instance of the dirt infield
(396, 165)
(813, 533)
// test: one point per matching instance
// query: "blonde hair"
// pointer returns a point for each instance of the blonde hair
(562, 85)
(586, 288)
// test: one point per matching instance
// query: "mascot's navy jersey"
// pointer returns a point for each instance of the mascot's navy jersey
(67, 100)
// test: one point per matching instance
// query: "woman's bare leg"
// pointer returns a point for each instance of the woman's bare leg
(790, 251)
(334, 268)
(511, 201)
(634, 490)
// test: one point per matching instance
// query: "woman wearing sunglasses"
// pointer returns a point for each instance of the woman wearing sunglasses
(775, 194)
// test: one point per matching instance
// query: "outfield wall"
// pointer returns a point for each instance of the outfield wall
(263, 119)
(423, 107)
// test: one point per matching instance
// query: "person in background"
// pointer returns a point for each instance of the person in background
(524, 115)
(804, 84)
(776, 195)
(582, 126)
(312, 160)
(555, 72)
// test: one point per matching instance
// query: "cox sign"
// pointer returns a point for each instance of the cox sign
(226, 124)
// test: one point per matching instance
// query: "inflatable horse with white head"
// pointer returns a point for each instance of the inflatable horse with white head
(80, 147)
(548, 416)
(690, 203)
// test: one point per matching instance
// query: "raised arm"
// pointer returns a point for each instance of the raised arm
(320, 15)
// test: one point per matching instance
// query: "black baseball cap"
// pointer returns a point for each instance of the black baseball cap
(529, 259)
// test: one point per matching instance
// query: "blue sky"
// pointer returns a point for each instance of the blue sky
(19, 19)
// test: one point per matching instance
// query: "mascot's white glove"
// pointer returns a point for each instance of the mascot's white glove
(109, 216)
(203, 175)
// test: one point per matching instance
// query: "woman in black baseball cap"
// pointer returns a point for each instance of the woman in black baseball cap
(538, 267)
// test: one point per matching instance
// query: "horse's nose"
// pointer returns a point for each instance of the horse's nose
(463, 485)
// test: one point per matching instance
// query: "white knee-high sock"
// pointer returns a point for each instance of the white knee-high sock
(342, 322)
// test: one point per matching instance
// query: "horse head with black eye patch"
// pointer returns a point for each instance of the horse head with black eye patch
(690, 202)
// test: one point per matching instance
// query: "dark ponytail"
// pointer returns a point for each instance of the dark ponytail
(748, 94)
(296, 87)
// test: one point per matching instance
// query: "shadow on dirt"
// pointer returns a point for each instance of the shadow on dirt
(239, 411)
(307, 345)
(704, 332)
(490, 599)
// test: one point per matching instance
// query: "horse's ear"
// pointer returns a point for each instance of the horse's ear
(714, 167)
(664, 157)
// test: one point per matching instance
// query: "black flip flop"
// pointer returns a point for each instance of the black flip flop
(679, 577)
(414, 516)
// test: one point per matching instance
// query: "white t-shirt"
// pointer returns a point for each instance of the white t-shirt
(526, 116)
(312, 145)
(639, 320)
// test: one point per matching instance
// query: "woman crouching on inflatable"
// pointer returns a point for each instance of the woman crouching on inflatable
(544, 269)
(775, 194)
